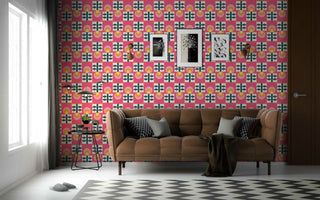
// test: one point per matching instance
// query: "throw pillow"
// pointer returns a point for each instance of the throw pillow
(160, 128)
(255, 131)
(229, 127)
(249, 127)
(138, 127)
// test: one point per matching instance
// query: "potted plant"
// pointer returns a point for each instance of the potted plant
(86, 119)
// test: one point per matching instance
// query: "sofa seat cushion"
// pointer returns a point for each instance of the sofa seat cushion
(194, 148)
(170, 145)
(125, 150)
(257, 149)
(147, 149)
(172, 148)
(150, 149)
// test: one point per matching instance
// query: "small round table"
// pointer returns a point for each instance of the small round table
(95, 144)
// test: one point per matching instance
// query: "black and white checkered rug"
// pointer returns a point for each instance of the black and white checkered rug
(200, 189)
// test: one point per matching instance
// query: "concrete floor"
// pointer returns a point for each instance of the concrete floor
(38, 186)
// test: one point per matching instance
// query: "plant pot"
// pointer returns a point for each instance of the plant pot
(86, 121)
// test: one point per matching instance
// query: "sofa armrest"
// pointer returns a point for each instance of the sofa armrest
(271, 128)
(115, 132)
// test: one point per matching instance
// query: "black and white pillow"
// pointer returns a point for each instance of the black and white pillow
(138, 127)
(248, 126)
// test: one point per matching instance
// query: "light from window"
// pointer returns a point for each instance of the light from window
(35, 78)
(18, 77)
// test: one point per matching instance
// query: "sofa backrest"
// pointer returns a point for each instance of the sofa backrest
(184, 122)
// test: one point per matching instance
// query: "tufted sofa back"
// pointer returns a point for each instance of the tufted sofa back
(185, 122)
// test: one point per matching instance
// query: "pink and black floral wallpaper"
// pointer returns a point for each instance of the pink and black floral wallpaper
(93, 45)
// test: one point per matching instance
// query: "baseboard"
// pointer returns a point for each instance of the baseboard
(18, 182)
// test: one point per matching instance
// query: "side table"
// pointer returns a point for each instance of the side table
(95, 144)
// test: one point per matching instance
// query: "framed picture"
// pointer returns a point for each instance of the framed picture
(189, 47)
(159, 47)
(220, 47)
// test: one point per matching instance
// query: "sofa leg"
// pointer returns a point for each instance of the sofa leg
(119, 167)
(258, 164)
(269, 168)
(124, 164)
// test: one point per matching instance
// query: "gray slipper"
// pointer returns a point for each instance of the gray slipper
(69, 185)
(59, 188)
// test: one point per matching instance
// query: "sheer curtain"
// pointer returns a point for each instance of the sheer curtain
(39, 106)
(38, 109)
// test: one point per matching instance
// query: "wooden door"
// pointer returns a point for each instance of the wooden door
(304, 84)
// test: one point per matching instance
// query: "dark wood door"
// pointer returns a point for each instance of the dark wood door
(303, 119)
(316, 83)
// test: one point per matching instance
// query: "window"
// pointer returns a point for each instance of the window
(18, 77)
(28, 76)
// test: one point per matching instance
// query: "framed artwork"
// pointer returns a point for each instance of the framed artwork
(159, 47)
(189, 47)
(220, 47)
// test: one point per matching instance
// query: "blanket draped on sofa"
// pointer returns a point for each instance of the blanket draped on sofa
(222, 152)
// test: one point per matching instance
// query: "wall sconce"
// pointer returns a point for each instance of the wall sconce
(130, 55)
(68, 87)
(86, 93)
(245, 52)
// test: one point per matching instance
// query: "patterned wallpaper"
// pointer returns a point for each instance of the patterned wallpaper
(93, 45)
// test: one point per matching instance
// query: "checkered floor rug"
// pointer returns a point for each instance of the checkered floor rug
(200, 189)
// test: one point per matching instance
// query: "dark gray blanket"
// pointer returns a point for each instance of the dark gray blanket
(222, 152)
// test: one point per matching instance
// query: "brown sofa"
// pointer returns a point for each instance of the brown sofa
(185, 144)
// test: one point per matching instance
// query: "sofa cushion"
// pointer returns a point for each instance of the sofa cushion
(210, 121)
(148, 148)
(194, 145)
(188, 148)
(249, 112)
(194, 148)
(159, 128)
(230, 113)
(126, 149)
(151, 113)
(190, 122)
(173, 118)
(256, 149)
(132, 112)
(170, 148)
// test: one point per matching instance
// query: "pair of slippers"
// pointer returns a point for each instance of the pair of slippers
(63, 187)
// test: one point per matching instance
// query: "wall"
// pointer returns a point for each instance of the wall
(17, 165)
(94, 36)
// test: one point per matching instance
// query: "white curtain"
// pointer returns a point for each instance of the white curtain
(38, 76)
(39, 82)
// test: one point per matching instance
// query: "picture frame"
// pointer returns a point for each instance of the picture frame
(158, 47)
(189, 47)
(220, 47)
